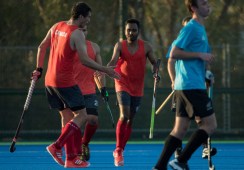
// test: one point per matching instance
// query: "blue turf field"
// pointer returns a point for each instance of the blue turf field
(230, 156)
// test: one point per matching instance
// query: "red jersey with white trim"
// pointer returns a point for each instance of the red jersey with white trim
(61, 58)
(131, 67)
(83, 75)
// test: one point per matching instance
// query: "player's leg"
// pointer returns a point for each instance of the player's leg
(134, 107)
(173, 141)
(124, 101)
(91, 124)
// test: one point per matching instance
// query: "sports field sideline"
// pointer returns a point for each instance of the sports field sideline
(138, 156)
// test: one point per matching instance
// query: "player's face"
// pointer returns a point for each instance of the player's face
(203, 8)
(131, 32)
(85, 20)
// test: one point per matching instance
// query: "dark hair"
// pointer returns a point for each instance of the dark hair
(133, 21)
(191, 3)
(78, 9)
(186, 19)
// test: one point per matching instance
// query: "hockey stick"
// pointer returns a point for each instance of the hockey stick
(27, 103)
(210, 163)
(99, 86)
(165, 102)
(154, 101)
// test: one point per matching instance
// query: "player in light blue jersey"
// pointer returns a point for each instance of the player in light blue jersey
(191, 50)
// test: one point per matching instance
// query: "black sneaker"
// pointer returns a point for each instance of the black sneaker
(205, 152)
(174, 164)
(178, 152)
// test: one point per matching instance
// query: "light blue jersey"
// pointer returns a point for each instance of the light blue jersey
(190, 73)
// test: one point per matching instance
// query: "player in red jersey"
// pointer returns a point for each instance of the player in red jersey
(130, 57)
(65, 39)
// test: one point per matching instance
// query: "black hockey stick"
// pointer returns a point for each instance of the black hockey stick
(210, 163)
(154, 101)
(99, 86)
(27, 103)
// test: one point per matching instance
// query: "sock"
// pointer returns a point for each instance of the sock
(77, 142)
(128, 130)
(196, 139)
(171, 143)
(69, 145)
(68, 132)
(88, 133)
(120, 132)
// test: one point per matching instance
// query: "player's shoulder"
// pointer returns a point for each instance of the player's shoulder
(94, 45)
(147, 44)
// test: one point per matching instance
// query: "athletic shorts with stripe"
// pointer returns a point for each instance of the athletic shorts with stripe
(68, 97)
(193, 103)
(126, 99)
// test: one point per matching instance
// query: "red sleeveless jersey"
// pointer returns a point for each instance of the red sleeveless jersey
(84, 75)
(61, 58)
(131, 67)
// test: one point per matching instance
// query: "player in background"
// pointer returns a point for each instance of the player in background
(129, 57)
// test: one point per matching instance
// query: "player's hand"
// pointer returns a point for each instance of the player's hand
(157, 77)
(37, 73)
(111, 72)
(209, 77)
(206, 57)
(104, 93)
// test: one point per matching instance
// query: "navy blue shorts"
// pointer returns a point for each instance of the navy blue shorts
(68, 97)
(191, 103)
(92, 104)
(126, 99)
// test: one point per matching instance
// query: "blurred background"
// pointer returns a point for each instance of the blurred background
(24, 23)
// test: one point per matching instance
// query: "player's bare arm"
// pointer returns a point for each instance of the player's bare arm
(177, 53)
(150, 54)
(171, 70)
(116, 54)
(98, 59)
(78, 42)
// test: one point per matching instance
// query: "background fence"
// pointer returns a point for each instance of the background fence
(24, 27)
(41, 123)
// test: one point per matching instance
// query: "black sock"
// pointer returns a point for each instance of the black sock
(196, 139)
(171, 143)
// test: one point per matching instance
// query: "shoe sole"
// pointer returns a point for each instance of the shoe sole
(119, 164)
(53, 157)
(78, 166)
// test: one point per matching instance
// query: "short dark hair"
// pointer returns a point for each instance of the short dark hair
(186, 19)
(133, 21)
(191, 3)
(78, 9)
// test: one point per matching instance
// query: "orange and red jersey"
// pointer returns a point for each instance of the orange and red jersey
(131, 67)
(84, 75)
(61, 58)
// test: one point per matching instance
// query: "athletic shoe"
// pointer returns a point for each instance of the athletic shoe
(178, 152)
(205, 152)
(174, 164)
(76, 163)
(55, 153)
(85, 154)
(118, 157)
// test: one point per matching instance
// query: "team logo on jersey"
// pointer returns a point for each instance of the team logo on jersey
(61, 33)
